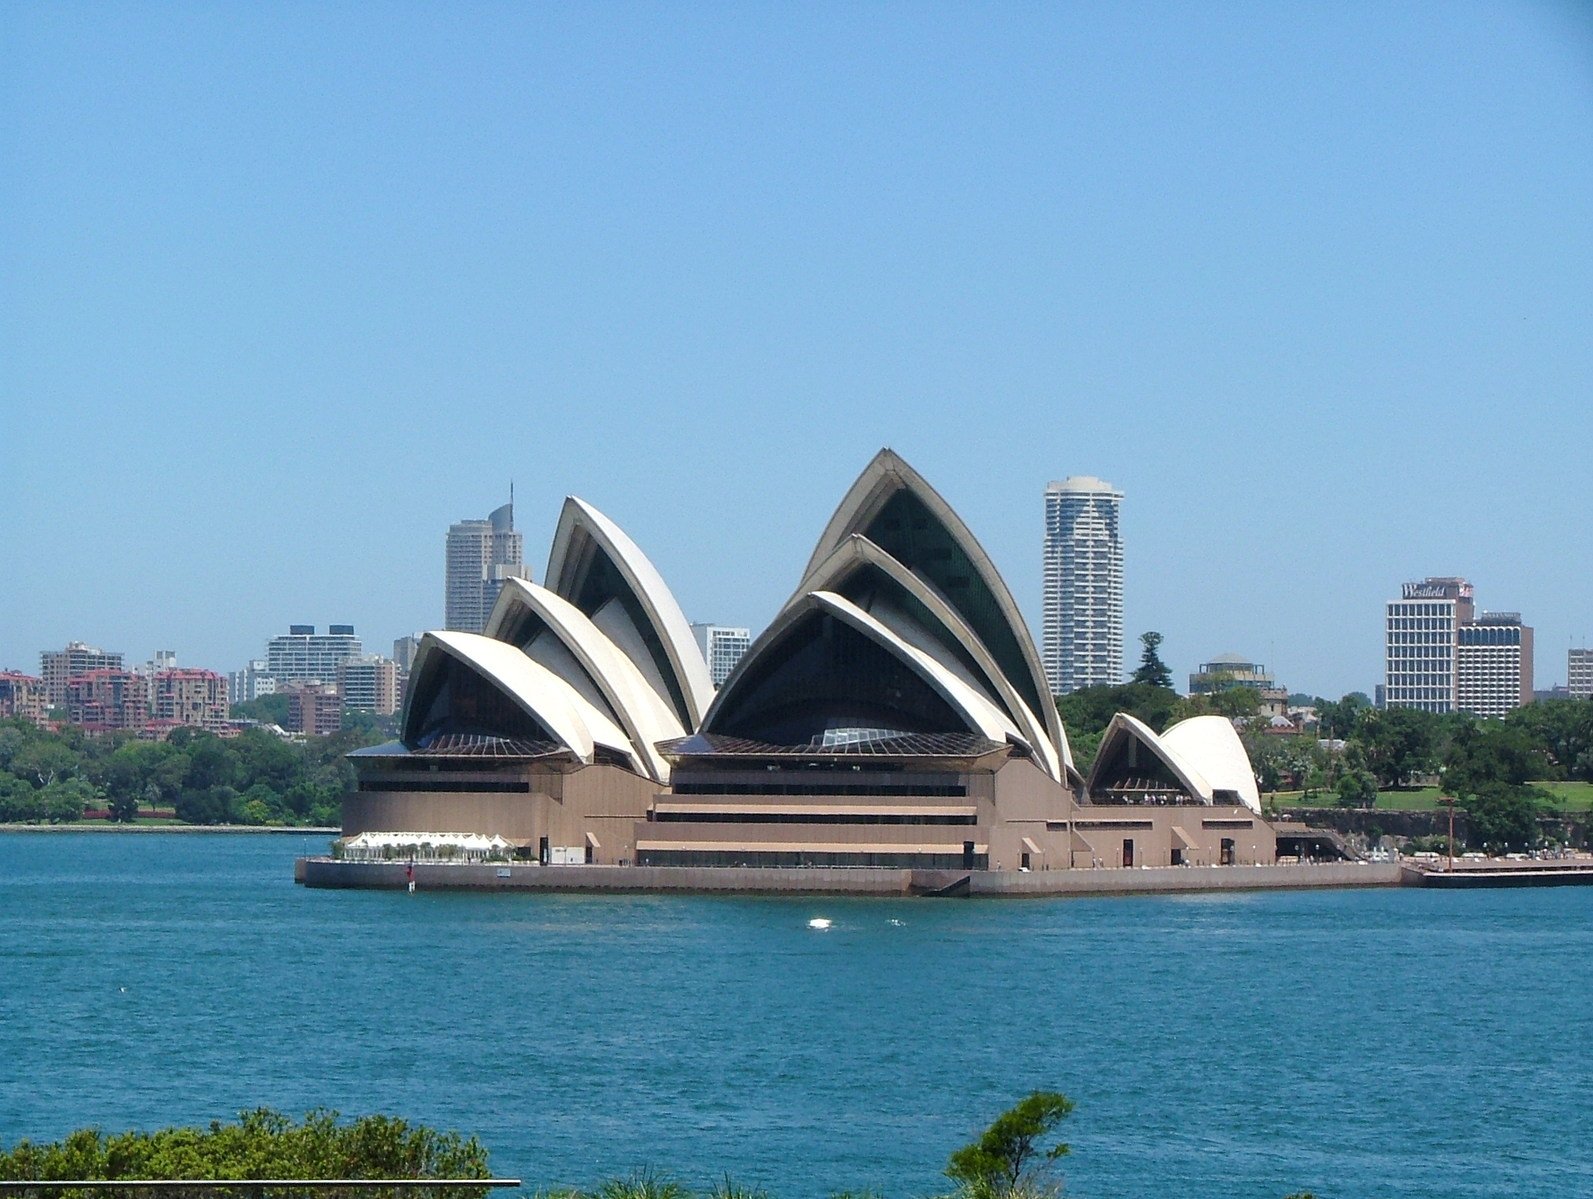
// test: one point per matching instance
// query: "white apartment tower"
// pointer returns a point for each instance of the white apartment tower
(721, 648)
(481, 554)
(1083, 641)
(303, 655)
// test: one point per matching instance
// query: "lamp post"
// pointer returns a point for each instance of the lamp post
(1449, 802)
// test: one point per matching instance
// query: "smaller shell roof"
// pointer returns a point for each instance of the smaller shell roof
(1212, 745)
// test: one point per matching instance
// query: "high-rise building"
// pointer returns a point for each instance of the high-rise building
(481, 554)
(1441, 656)
(1579, 673)
(1083, 628)
(60, 665)
(21, 695)
(722, 647)
(368, 683)
(303, 655)
(1420, 632)
(185, 696)
(1493, 664)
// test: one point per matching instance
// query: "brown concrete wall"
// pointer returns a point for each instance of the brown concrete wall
(1106, 826)
(605, 800)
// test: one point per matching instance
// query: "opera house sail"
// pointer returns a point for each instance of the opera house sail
(894, 715)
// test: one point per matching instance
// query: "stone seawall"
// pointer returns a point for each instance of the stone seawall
(432, 876)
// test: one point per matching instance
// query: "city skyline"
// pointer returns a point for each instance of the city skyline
(1268, 271)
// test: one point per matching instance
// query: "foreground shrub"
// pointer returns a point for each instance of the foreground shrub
(262, 1144)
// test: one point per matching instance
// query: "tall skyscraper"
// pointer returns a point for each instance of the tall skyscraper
(481, 554)
(1420, 633)
(722, 648)
(1083, 634)
(1579, 672)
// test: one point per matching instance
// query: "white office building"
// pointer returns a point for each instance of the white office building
(480, 555)
(1420, 632)
(1579, 673)
(1493, 664)
(722, 647)
(1083, 625)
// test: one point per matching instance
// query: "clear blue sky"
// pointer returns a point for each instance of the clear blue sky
(285, 289)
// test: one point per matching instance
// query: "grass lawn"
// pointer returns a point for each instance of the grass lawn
(1576, 797)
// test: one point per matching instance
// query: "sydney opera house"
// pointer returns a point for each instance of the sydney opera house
(894, 714)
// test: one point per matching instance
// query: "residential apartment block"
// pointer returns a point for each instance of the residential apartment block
(315, 709)
(1083, 626)
(368, 683)
(103, 701)
(303, 655)
(22, 695)
(60, 665)
(189, 697)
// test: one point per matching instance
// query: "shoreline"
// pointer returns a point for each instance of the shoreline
(108, 827)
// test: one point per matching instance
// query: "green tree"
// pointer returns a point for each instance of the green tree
(1357, 789)
(1397, 742)
(1503, 817)
(1010, 1154)
(1090, 709)
(1152, 670)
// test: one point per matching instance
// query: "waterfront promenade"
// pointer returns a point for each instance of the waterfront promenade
(820, 880)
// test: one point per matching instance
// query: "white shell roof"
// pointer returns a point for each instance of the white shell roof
(555, 704)
(646, 716)
(887, 474)
(1123, 725)
(858, 549)
(1212, 746)
(647, 585)
(1204, 753)
(981, 716)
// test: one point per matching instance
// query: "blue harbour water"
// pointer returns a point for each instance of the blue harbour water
(1356, 1043)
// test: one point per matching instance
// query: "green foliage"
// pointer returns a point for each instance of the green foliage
(1008, 1158)
(1090, 709)
(262, 1144)
(1563, 729)
(1503, 817)
(1398, 742)
(268, 709)
(254, 778)
(1356, 789)
(1152, 670)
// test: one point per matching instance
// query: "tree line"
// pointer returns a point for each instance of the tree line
(255, 778)
(1488, 766)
